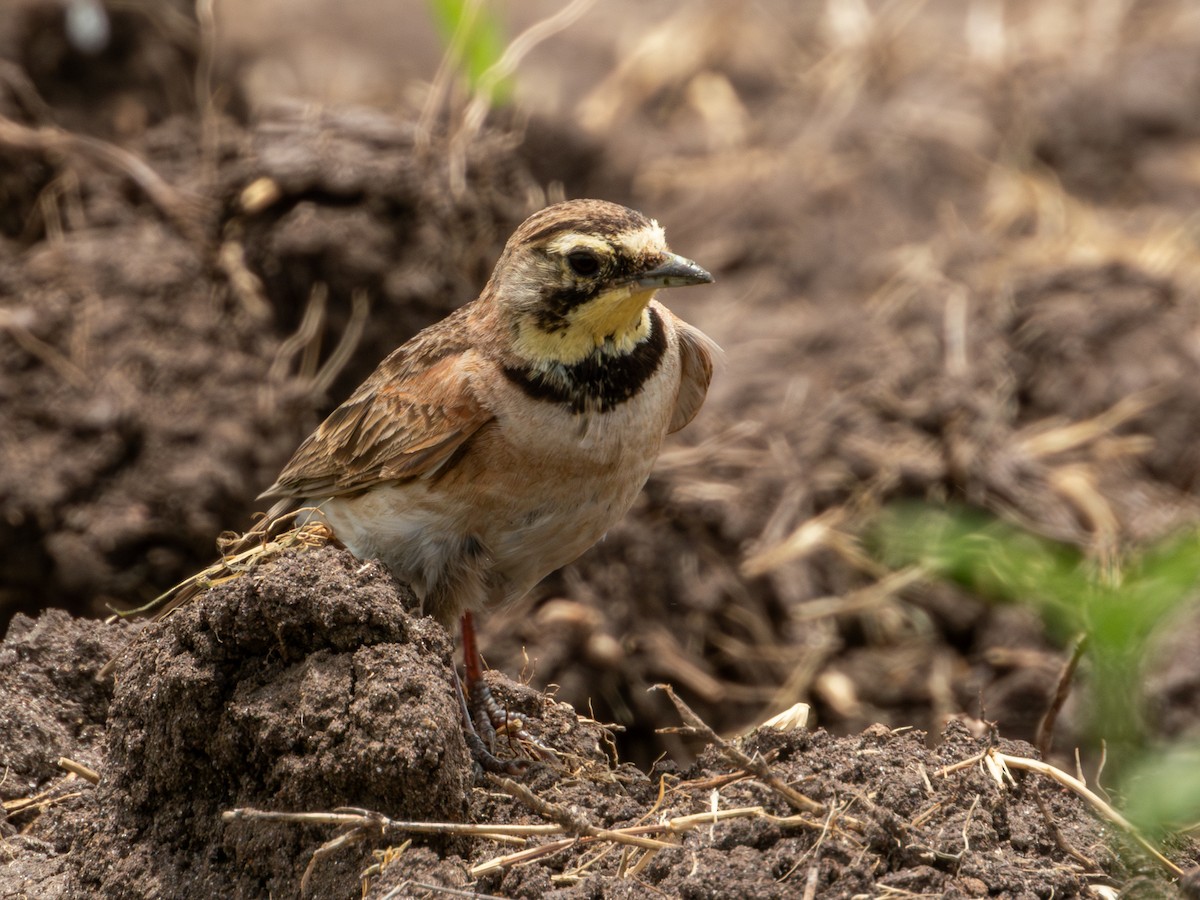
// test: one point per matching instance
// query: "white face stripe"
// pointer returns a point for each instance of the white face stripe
(566, 243)
(647, 241)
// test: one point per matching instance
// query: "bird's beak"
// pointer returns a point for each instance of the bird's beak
(675, 271)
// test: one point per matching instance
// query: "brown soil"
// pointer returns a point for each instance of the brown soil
(947, 269)
(306, 686)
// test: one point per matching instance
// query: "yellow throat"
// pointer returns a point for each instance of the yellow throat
(617, 319)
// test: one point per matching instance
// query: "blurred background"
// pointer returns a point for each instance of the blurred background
(955, 246)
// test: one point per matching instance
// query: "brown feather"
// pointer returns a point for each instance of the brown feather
(404, 421)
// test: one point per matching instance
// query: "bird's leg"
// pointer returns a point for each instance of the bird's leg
(488, 715)
(481, 712)
(484, 714)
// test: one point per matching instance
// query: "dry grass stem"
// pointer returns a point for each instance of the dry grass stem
(400, 891)
(360, 309)
(677, 825)
(1045, 730)
(252, 549)
(570, 821)
(1053, 441)
(241, 554)
(385, 825)
(811, 536)
(857, 601)
(79, 769)
(1098, 802)
(673, 661)
(247, 287)
(1060, 839)
(736, 757)
(481, 103)
(999, 763)
(38, 802)
(362, 823)
(188, 212)
(306, 336)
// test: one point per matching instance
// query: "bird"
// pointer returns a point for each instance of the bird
(502, 442)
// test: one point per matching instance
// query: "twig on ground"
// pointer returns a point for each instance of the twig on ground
(570, 820)
(331, 846)
(365, 821)
(736, 757)
(678, 825)
(437, 889)
(361, 818)
(1045, 730)
(810, 883)
(361, 823)
(78, 768)
(813, 853)
(39, 802)
(1060, 839)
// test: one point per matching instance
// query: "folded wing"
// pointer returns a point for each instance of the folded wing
(407, 420)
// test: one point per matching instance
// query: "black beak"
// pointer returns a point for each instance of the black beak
(675, 271)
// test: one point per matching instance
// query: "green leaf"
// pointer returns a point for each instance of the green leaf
(1163, 788)
(1006, 564)
(477, 40)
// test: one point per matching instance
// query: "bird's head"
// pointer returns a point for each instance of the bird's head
(577, 277)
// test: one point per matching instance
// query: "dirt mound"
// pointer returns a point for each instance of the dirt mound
(304, 686)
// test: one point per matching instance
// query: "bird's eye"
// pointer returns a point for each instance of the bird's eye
(583, 263)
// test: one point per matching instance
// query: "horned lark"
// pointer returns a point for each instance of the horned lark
(501, 443)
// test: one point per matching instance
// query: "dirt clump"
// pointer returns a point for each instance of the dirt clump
(49, 696)
(304, 685)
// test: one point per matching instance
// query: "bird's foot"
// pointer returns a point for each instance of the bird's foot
(481, 752)
(494, 722)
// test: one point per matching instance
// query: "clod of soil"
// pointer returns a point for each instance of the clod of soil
(304, 685)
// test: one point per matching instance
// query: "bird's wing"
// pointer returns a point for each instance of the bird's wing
(407, 420)
(697, 352)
